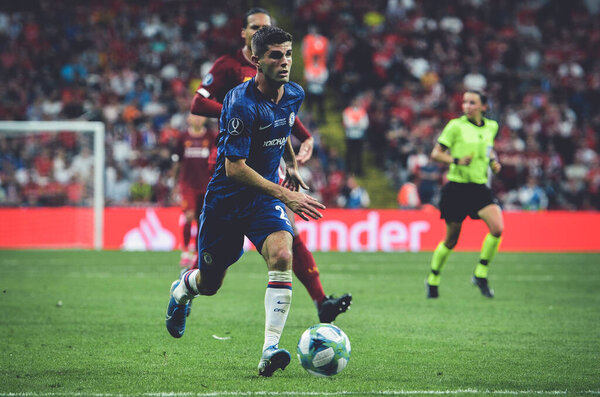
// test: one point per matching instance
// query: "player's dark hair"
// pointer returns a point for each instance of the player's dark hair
(252, 11)
(482, 96)
(267, 36)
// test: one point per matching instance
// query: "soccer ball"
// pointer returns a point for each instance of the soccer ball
(324, 350)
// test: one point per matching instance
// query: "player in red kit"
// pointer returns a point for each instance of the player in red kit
(227, 72)
(192, 172)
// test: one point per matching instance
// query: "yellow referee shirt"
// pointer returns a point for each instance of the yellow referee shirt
(464, 138)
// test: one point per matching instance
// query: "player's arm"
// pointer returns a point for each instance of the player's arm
(302, 204)
(213, 83)
(441, 154)
(204, 106)
(494, 163)
(175, 170)
(306, 147)
(293, 180)
(176, 158)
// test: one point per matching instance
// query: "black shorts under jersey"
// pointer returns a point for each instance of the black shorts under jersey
(461, 199)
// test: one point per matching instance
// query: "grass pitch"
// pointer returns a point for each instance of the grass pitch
(92, 323)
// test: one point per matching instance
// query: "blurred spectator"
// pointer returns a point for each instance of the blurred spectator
(408, 195)
(118, 188)
(140, 191)
(82, 164)
(75, 192)
(135, 68)
(315, 51)
(532, 196)
(356, 122)
(335, 181)
(353, 195)
(429, 182)
(60, 169)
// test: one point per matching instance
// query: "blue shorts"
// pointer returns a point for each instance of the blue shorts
(221, 239)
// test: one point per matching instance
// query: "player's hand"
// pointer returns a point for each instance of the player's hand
(495, 166)
(304, 205)
(306, 150)
(293, 181)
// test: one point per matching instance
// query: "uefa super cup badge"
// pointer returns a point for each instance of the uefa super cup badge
(235, 126)
(291, 119)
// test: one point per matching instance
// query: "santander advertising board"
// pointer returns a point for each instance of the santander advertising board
(371, 234)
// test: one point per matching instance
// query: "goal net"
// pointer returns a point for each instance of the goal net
(51, 184)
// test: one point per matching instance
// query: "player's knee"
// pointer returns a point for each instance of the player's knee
(281, 259)
(451, 242)
(209, 288)
(497, 232)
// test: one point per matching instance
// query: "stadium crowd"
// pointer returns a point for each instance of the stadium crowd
(406, 62)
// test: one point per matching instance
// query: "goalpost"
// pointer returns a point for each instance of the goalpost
(97, 129)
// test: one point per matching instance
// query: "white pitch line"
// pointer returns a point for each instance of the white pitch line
(308, 393)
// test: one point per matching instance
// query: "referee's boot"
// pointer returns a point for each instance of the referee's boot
(432, 290)
(482, 283)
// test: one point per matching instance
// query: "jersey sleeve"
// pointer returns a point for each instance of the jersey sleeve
(237, 120)
(204, 106)
(300, 131)
(448, 135)
(496, 129)
(215, 80)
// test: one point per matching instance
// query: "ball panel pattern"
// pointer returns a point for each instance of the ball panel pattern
(324, 350)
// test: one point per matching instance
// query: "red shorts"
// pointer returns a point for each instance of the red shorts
(192, 199)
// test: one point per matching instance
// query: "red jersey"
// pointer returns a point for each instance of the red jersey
(227, 72)
(194, 152)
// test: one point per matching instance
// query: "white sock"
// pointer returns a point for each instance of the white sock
(187, 288)
(277, 305)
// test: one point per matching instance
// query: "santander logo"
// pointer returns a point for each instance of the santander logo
(364, 235)
(150, 235)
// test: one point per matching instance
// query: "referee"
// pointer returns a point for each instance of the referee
(466, 145)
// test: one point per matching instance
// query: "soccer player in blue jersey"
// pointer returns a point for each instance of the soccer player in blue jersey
(244, 198)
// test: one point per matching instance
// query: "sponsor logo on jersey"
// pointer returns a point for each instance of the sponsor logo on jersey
(235, 126)
(196, 152)
(275, 142)
(280, 122)
(291, 119)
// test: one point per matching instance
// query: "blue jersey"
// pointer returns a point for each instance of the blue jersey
(256, 129)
